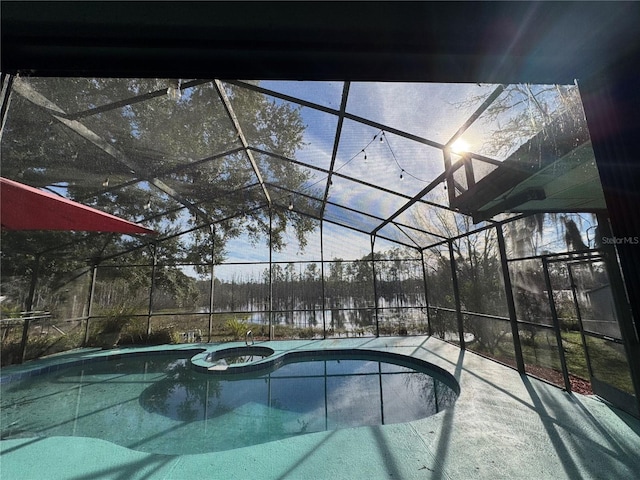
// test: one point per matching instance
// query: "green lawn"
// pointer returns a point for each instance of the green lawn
(539, 349)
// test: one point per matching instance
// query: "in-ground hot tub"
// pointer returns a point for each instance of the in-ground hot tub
(236, 358)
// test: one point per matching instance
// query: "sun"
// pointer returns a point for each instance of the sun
(460, 146)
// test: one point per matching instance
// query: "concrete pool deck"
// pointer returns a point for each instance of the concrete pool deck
(503, 425)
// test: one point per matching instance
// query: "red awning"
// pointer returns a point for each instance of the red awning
(27, 208)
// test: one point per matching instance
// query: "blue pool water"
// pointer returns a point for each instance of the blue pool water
(160, 404)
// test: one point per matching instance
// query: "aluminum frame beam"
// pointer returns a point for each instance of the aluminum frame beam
(25, 90)
(236, 124)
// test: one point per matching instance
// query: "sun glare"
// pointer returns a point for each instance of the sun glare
(460, 146)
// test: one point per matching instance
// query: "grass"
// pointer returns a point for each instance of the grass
(574, 354)
(540, 350)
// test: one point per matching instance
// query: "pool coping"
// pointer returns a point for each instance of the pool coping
(74, 358)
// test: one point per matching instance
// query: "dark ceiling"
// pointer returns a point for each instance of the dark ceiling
(492, 42)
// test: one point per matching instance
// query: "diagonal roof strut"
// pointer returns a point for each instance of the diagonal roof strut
(336, 142)
(234, 119)
(416, 198)
(475, 115)
(25, 90)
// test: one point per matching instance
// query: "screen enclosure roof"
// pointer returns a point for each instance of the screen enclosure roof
(402, 161)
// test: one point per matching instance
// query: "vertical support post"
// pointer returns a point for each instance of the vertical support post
(211, 282)
(630, 336)
(556, 323)
(468, 170)
(375, 288)
(576, 303)
(324, 303)
(426, 293)
(511, 304)
(34, 281)
(449, 179)
(271, 326)
(613, 127)
(25, 337)
(152, 287)
(612, 122)
(29, 307)
(92, 288)
(456, 294)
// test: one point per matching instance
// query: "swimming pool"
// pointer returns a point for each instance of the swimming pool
(161, 404)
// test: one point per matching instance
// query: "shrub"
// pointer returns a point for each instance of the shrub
(116, 319)
(308, 332)
(163, 336)
(9, 311)
(237, 327)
